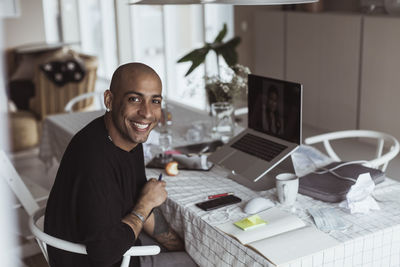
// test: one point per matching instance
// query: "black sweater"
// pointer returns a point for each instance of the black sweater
(97, 184)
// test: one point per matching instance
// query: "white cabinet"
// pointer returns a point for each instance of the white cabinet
(269, 44)
(380, 76)
(321, 51)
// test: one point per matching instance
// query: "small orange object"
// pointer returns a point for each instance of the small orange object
(171, 168)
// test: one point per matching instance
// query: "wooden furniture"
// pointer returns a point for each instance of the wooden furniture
(50, 98)
(24, 130)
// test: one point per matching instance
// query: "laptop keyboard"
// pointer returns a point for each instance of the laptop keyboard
(258, 146)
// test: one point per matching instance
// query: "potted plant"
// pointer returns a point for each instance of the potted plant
(235, 77)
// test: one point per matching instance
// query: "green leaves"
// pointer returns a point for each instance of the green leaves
(221, 35)
(197, 57)
(227, 50)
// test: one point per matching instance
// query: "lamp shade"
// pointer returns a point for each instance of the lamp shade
(229, 2)
(262, 2)
(165, 2)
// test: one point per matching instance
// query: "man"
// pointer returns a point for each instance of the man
(101, 197)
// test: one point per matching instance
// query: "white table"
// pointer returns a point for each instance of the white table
(58, 130)
(373, 240)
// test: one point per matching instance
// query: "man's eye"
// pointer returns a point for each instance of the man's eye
(133, 99)
(156, 101)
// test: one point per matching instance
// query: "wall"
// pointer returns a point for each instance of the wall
(244, 25)
(342, 5)
(28, 28)
(244, 20)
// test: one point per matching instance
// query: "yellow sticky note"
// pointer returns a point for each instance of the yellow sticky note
(250, 222)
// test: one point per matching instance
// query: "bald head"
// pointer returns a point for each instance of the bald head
(133, 104)
(130, 73)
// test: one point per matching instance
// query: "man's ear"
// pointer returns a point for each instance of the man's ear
(108, 96)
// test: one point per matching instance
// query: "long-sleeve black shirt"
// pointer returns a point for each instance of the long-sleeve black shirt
(97, 184)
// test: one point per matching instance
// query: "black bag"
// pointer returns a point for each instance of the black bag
(330, 188)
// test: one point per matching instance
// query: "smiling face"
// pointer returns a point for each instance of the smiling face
(135, 104)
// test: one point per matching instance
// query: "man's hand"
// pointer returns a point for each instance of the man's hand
(153, 195)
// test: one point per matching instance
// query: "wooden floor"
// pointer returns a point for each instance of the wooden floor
(35, 261)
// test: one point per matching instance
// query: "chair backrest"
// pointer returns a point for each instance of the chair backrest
(43, 239)
(14, 181)
(95, 95)
(383, 140)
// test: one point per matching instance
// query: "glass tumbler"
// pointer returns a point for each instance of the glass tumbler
(223, 121)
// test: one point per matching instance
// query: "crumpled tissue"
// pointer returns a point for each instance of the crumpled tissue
(359, 199)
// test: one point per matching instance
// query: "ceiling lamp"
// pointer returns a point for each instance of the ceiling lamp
(262, 2)
(165, 2)
(229, 2)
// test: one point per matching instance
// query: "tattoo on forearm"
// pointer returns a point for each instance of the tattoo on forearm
(170, 240)
(164, 234)
(160, 224)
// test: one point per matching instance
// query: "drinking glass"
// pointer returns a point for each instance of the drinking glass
(223, 121)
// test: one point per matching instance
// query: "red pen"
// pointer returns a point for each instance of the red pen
(220, 195)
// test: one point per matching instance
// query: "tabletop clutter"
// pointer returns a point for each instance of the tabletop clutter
(354, 194)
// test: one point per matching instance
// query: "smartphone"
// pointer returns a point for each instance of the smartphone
(218, 202)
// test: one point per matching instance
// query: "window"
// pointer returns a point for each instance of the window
(90, 26)
(163, 34)
(155, 35)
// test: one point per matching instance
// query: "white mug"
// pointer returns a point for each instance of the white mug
(287, 186)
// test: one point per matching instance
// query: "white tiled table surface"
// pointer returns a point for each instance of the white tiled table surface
(371, 240)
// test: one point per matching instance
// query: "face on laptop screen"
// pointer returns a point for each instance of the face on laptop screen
(275, 107)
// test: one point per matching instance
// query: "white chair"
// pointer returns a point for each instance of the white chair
(29, 196)
(36, 226)
(95, 95)
(381, 159)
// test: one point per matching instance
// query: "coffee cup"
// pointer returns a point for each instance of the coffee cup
(287, 186)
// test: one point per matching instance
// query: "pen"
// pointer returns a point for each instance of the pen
(220, 195)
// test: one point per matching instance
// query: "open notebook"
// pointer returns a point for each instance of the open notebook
(284, 238)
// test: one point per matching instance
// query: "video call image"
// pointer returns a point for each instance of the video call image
(276, 109)
(272, 111)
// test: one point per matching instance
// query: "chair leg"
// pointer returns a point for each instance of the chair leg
(43, 248)
(125, 261)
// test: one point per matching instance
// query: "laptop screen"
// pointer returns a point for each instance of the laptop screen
(275, 107)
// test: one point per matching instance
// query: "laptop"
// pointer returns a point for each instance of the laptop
(273, 133)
